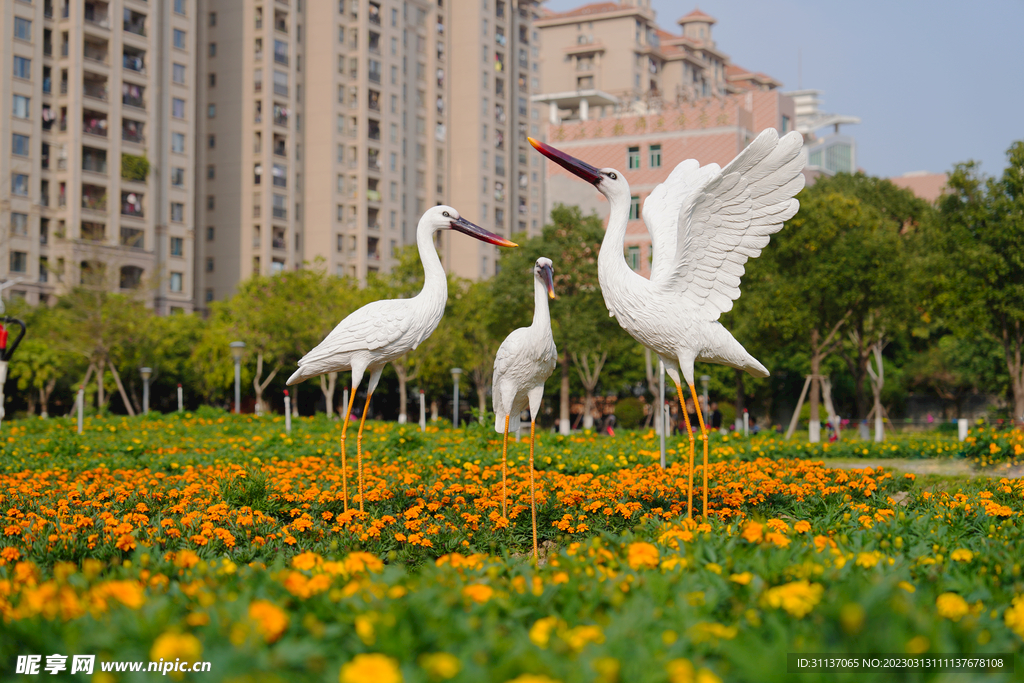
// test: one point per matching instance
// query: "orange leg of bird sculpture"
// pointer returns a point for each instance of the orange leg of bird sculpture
(344, 469)
(533, 500)
(504, 457)
(359, 447)
(689, 433)
(704, 435)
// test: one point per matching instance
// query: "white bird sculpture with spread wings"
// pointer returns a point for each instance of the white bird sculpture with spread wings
(382, 331)
(704, 223)
(525, 360)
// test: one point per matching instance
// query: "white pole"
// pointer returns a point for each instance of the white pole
(81, 408)
(455, 408)
(344, 398)
(662, 408)
(181, 404)
(3, 380)
(423, 411)
(961, 425)
(287, 412)
(746, 423)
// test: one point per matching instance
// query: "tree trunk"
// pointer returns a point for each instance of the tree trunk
(327, 384)
(404, 377)
(31, 399)
(564, 421)
(481, 380)
(295, 400)
(814, 426)
(589, 377)
(654, 417)
(1013, 344)
(99, 385)
(260, 386)
(120, 389)
(433, 410)
(44, 396)
(857, 363)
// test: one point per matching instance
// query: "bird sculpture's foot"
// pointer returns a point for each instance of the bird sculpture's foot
(704, 436)
(689, 434)
(504, 459)
(359, 448)
(344, 465)
(533, 498)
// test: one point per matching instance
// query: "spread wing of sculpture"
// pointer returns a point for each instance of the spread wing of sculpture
(382, 331)
(523, 363)
(705, 222)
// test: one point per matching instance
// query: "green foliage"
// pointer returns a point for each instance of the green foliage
(134, 167)
(629, 412)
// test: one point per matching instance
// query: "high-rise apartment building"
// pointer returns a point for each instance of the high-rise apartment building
(96, 147)
(327, 129)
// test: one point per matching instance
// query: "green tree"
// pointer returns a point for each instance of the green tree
(979, 278)
(40, 362)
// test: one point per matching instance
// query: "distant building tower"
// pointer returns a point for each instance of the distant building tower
(829, 154)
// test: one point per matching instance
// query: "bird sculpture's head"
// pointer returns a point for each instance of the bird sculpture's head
(544, 272)
(608, 181)
(447, 218)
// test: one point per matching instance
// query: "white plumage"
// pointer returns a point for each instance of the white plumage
(704, 223)
(524, 361)
(382, 331)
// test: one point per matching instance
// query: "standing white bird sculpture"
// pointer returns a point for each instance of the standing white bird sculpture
(382, 331)
(704, 223)
(525, 360)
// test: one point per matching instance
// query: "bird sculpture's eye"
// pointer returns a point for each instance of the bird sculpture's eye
(612, 176)
(447, 215)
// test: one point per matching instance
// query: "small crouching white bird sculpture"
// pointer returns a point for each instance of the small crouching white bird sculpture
(525, 360)
(705, 222)
(382, 331)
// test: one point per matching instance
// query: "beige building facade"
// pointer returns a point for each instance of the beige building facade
(96, 148)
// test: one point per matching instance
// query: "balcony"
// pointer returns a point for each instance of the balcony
(94, 123)
(280, 212)
(131, 205)
(134, 60)
(374, 13)
(132, 131)
(133, 95)
(134, 22)
(95, 51)
(132, 238)
(280, 116)
(48, 9)
(94, 232)
(280, 175)
(281, 21)
(280, 146)
(281, 53)
(94, 198)
(94, 160)
(373, 101)
(96, 89)
(96, 13)
(373, 129)
(279, 241)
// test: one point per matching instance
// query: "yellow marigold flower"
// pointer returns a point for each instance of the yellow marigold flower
(673, 562)
(707, 631)
(540, 632)
(706, 676)
(680, 671)
(360, 561)
(532, 678)
(478, 592)
(371, 668)
(823, 542)
(714, 568)
(797, 598)
(907, 586)
(961, 555)
(128, 593)
(918, 645)
(171, 646)
(440, 666)
(642, 555)
(777, 525)
(753, 532)
(365, 630)
(306, 560)
(951, 606)
(578, 638)
(185, 559)
(743, 578)
(607, 669)
(869, 559)
(802, 527)
(270, 619)
(1014, 616)
(777, 539)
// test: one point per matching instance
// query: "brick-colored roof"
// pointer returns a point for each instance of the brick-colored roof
(585, 10)
(697, 15)
(927, 186)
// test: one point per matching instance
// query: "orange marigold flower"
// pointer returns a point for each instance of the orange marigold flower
(753, 532)
(270, 619)
(478, 592)
(371, 668)
(642, 555)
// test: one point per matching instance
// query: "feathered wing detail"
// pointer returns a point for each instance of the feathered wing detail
(372, 327)
(729, 218)
(661, 212)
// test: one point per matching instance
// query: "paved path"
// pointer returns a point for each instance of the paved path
(947, 467)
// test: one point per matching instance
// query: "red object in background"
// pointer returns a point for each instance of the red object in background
(3, 337)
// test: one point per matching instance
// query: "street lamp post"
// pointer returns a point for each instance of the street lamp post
(237, 348)
(146, 373)
(455, 410)
(704, 379)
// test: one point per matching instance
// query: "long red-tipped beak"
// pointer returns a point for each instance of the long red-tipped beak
(473, 230)
(570, 163)
(548, 275)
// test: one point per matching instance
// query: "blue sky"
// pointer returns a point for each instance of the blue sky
(934, 83)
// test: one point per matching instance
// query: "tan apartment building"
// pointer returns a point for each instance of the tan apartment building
(623, 93)
(327, 129)
(96, 151)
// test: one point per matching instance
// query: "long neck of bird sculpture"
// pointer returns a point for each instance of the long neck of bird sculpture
(541, 314)
(435, 284)
(610, 261)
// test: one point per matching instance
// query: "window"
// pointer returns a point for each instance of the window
(655, 156)
(634, 207)
(210, 202)
(19, 184)
(212, 50)
(177, 176)
(633, 158)
(179, 39)
(211, 141)
(211, 111)
(22, 28)
(213, 18)
(176, 280)
(179, 7)
(178, 108)
(21, 107)
(22, 67)
(19, 262)
(209, 233)
(211, 171)
(177, 246)
(19, 224)
(212, 81)
(209, 295)
(281, 52)
(177, 212)
(19, 145)
(209, 264)
(178, 73)
(633, 256)
(178, 143)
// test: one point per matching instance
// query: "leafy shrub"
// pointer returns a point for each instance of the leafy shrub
(134, 167)
(629, 412)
